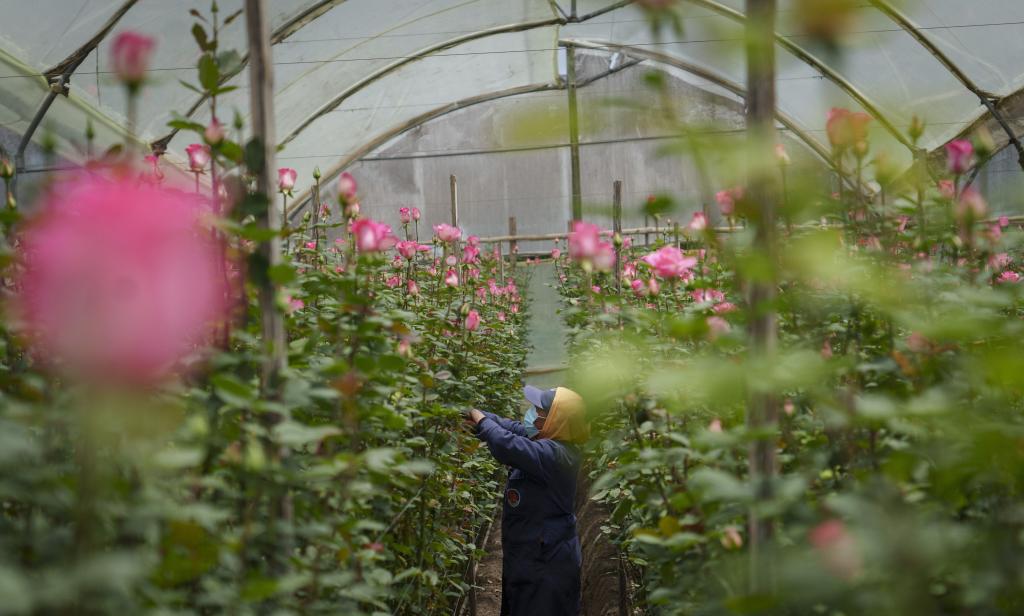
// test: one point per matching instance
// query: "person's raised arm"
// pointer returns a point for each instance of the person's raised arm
(532, 457)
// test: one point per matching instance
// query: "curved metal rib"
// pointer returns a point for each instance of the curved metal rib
(989, 100)
(808, 58)
(336, 102)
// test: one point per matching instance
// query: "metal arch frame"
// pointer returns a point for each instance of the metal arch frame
(58, 78)
(989, 100)
(819, 149)
(708, 75)
(811, 60)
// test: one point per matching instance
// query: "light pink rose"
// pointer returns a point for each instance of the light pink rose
(347, 187)
(451, 278)
(447, 233)
(131, 52)
(472, 321)
(198, 157)
(121, 280)
(372, 236)
(286, 177)
(959, 154)
(669, 262)
(408, 249)
(837, 549)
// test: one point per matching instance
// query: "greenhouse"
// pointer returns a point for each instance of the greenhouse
(512, 307)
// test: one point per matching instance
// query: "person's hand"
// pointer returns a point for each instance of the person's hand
(472, 416)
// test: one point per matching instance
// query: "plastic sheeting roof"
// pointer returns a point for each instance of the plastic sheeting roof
(354, 72)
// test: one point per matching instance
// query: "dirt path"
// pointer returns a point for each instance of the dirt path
(488, 574)
(600, 564)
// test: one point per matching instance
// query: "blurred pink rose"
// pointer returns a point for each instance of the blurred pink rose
(781, 155)
(638, 287)
(393, 282)
(472, 321)
(214, 133)
(372, 236)
(715, 425)
(1008, 276)
(653, 287)
(347, 187)
(959, 154)
(121, 281)
(409, 249)
(555, 253)
(447, 233)
(584, 241)
(451, 278)
(669, 262)
(837, 549)
(947, 189)
(404, 215)
(470, 253)
(717, 326)
(604, 260)
(131, 52)
(415, 213)
(971, 207)
(412, 287)
(727, 199)
(699, 222)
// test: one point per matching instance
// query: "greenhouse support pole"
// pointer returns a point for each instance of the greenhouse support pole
(617, 229)
(762, 409)
(454, 184)
(261, 98)
(513, 245)
(574, 132)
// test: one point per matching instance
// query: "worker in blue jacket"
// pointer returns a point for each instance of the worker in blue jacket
(541, 550)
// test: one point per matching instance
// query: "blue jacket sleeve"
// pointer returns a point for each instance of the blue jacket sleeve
(513, 426)
(536, 458)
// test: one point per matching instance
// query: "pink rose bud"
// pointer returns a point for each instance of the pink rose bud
(959, 155)
(393, 282)
(715, 425)
(472, 321)
(1004, 221)
(198, 157)
(451, 278)
(131, 52)
(555, 253)
(415, 213)
(699, 222)
(412, 287)
(347, 187)
(837, 549)
(214, 133)
(404, 215)
(294, 304)
(286, 180)
(653, 287)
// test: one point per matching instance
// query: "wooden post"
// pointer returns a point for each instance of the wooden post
(675, 234)
(261, 97)
(455, 201)
(762, 409)
(617, 229)
(647, 236)
(574, 133)
(513, 245)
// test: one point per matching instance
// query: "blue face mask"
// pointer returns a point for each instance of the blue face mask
(528, 419)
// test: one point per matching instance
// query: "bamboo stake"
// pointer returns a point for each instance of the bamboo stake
(617, 230)
(513, 245)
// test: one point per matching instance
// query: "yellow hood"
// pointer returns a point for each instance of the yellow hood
(566, 421)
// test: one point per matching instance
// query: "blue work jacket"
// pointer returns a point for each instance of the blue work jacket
(540, 548)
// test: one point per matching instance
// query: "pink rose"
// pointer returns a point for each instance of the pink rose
(447, 233)
(699, 222)
(412, 288)
(214, 133)
(404, 215)
(409, 249)
(347, 187)
(715, 425)
(121, 280)
(372, 236)
(837, 549)
(971, 206)
(584, 241)
(472, 321)
(451, 278)
(131, 52)
(555, 253)
(727, 200)
(669, 262)
(393, 282)
(286, 180)
(198, 157)
(653, 287)
(1008, 276)
(717, 326)
(959, 154)
(604, 260)
(415, 213)
(947, 189)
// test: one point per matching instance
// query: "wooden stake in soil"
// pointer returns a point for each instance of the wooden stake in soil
(261, 82)
(617, 229)
(513, 245)
(762, 409)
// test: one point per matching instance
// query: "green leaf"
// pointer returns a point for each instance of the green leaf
(209, 73)
(202, 39)
(232, 390)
